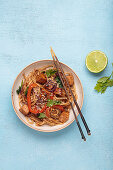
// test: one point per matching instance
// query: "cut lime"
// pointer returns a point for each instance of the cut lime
(96, 61)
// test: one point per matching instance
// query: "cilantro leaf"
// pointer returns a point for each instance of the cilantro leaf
(59, 82)
(18, 90)
(50, 103)
(20, 87)
(50, 72)
(103, 89)
(103, 83)
(53, 102)
(110, 83)
(103, 80)
(42, 115)
(98, 87)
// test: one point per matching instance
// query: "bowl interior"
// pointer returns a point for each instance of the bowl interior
(15, 100)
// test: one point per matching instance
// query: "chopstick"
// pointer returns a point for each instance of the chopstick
(63, 82)
(77, 106)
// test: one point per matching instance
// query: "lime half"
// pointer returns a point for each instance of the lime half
(96, 61)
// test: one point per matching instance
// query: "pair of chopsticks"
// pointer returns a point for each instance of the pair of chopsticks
(65, 83)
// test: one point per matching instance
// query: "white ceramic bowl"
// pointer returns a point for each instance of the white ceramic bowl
(15, 100)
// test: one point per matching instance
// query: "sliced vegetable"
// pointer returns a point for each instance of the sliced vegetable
(52, 102)
(50, 72)
(26, 91)
(20, 87)
(48, 112)
(35, 110)
(42, 115)
(58, 107)
(59, 82)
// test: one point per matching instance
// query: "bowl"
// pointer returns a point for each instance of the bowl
(15, 100)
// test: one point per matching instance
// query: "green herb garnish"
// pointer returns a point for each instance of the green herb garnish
(26, 91)
(53, 102)
(59, 82)
(42, 115)
(50, 72)
(103, 83)
(20, 87)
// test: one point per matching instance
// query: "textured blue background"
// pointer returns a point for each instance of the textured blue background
(73, 28)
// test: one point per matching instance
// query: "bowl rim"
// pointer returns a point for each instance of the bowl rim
(27, 124)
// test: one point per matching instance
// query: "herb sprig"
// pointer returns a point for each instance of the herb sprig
(59, 82)
(20, 87)
(52, 102)
(50, 72)
(42, 115)
(103, 83)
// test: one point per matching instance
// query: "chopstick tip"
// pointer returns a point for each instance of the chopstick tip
(89, 133)
(84, 139)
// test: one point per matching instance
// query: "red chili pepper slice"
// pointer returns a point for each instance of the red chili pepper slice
(58, 107)
(47, 112)
(35, 110)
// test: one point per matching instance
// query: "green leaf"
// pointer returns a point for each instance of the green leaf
(26, 91)
(53, 102)
(103, 89)
(103, 83)
(20, 87)
(59, 82)
(50, 72)
(98, 87)
(50, 103)
(18, 90)
(110, 83)
(42, 115)
(103, 79)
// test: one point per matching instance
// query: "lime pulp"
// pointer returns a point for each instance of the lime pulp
(96, 61)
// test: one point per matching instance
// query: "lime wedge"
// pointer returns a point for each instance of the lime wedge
(96, 61)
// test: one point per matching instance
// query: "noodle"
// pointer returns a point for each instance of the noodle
(38, 101)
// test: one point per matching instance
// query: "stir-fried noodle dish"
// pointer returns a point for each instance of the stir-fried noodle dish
(42, 98)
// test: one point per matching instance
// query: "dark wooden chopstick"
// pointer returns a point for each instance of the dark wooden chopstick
(62, 80)
(78, 108)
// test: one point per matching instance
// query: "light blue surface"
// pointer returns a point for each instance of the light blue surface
(73, 28)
